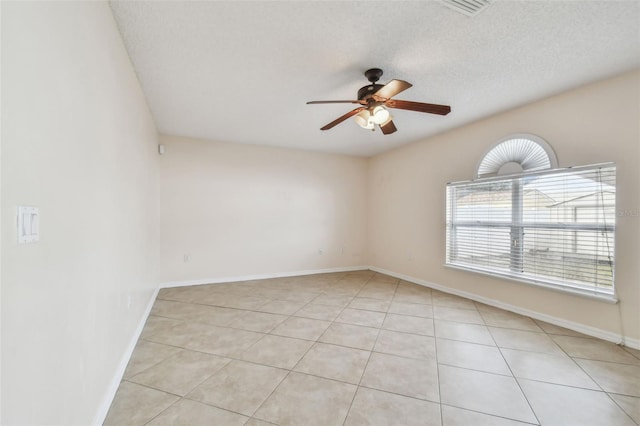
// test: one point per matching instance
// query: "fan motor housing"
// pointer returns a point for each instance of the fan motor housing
(366, 91)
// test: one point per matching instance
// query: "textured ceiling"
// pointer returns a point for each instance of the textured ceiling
(242, 71)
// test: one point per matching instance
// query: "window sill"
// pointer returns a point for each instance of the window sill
(600, 297)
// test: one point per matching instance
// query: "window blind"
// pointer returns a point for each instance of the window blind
(554, 227)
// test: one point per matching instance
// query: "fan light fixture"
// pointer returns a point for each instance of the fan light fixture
(364, 119)
(380, 114)
(368, 118)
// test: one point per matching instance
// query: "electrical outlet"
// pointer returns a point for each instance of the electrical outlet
(186, 258)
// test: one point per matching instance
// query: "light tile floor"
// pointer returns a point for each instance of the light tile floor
(361, 348)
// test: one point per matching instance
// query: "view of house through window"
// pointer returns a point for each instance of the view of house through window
(552, 227)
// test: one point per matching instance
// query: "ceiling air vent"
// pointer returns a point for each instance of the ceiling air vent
(467, 7)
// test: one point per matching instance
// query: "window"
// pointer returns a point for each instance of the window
(551, 227)
(516, 154)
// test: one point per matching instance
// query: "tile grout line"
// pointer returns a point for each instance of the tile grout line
(283, 379)
(181, 398)
(240, 359)
(155, 364)
(292, 368)
(157, 415)
(370, 353)
(435, 344)
(600, 386)
(491, 415)
(289, 370)
(515, 379)
(438, 364)
(575, 363)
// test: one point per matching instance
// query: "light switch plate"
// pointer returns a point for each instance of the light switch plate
(28, 224)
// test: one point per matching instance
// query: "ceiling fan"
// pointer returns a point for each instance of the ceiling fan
(373, 99)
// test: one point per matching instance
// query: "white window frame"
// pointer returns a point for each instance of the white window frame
(517, 229)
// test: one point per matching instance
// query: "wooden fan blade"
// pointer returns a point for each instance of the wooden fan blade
(388, 127)
(335, 102)
(341, 119)
(391, 89)
(418, 106)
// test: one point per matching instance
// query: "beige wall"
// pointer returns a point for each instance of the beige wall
(592, 124)
(240, 210)
(79, 143)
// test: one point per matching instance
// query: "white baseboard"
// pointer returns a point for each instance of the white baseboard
(122, 366)
(580, 328)
(259, 276)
